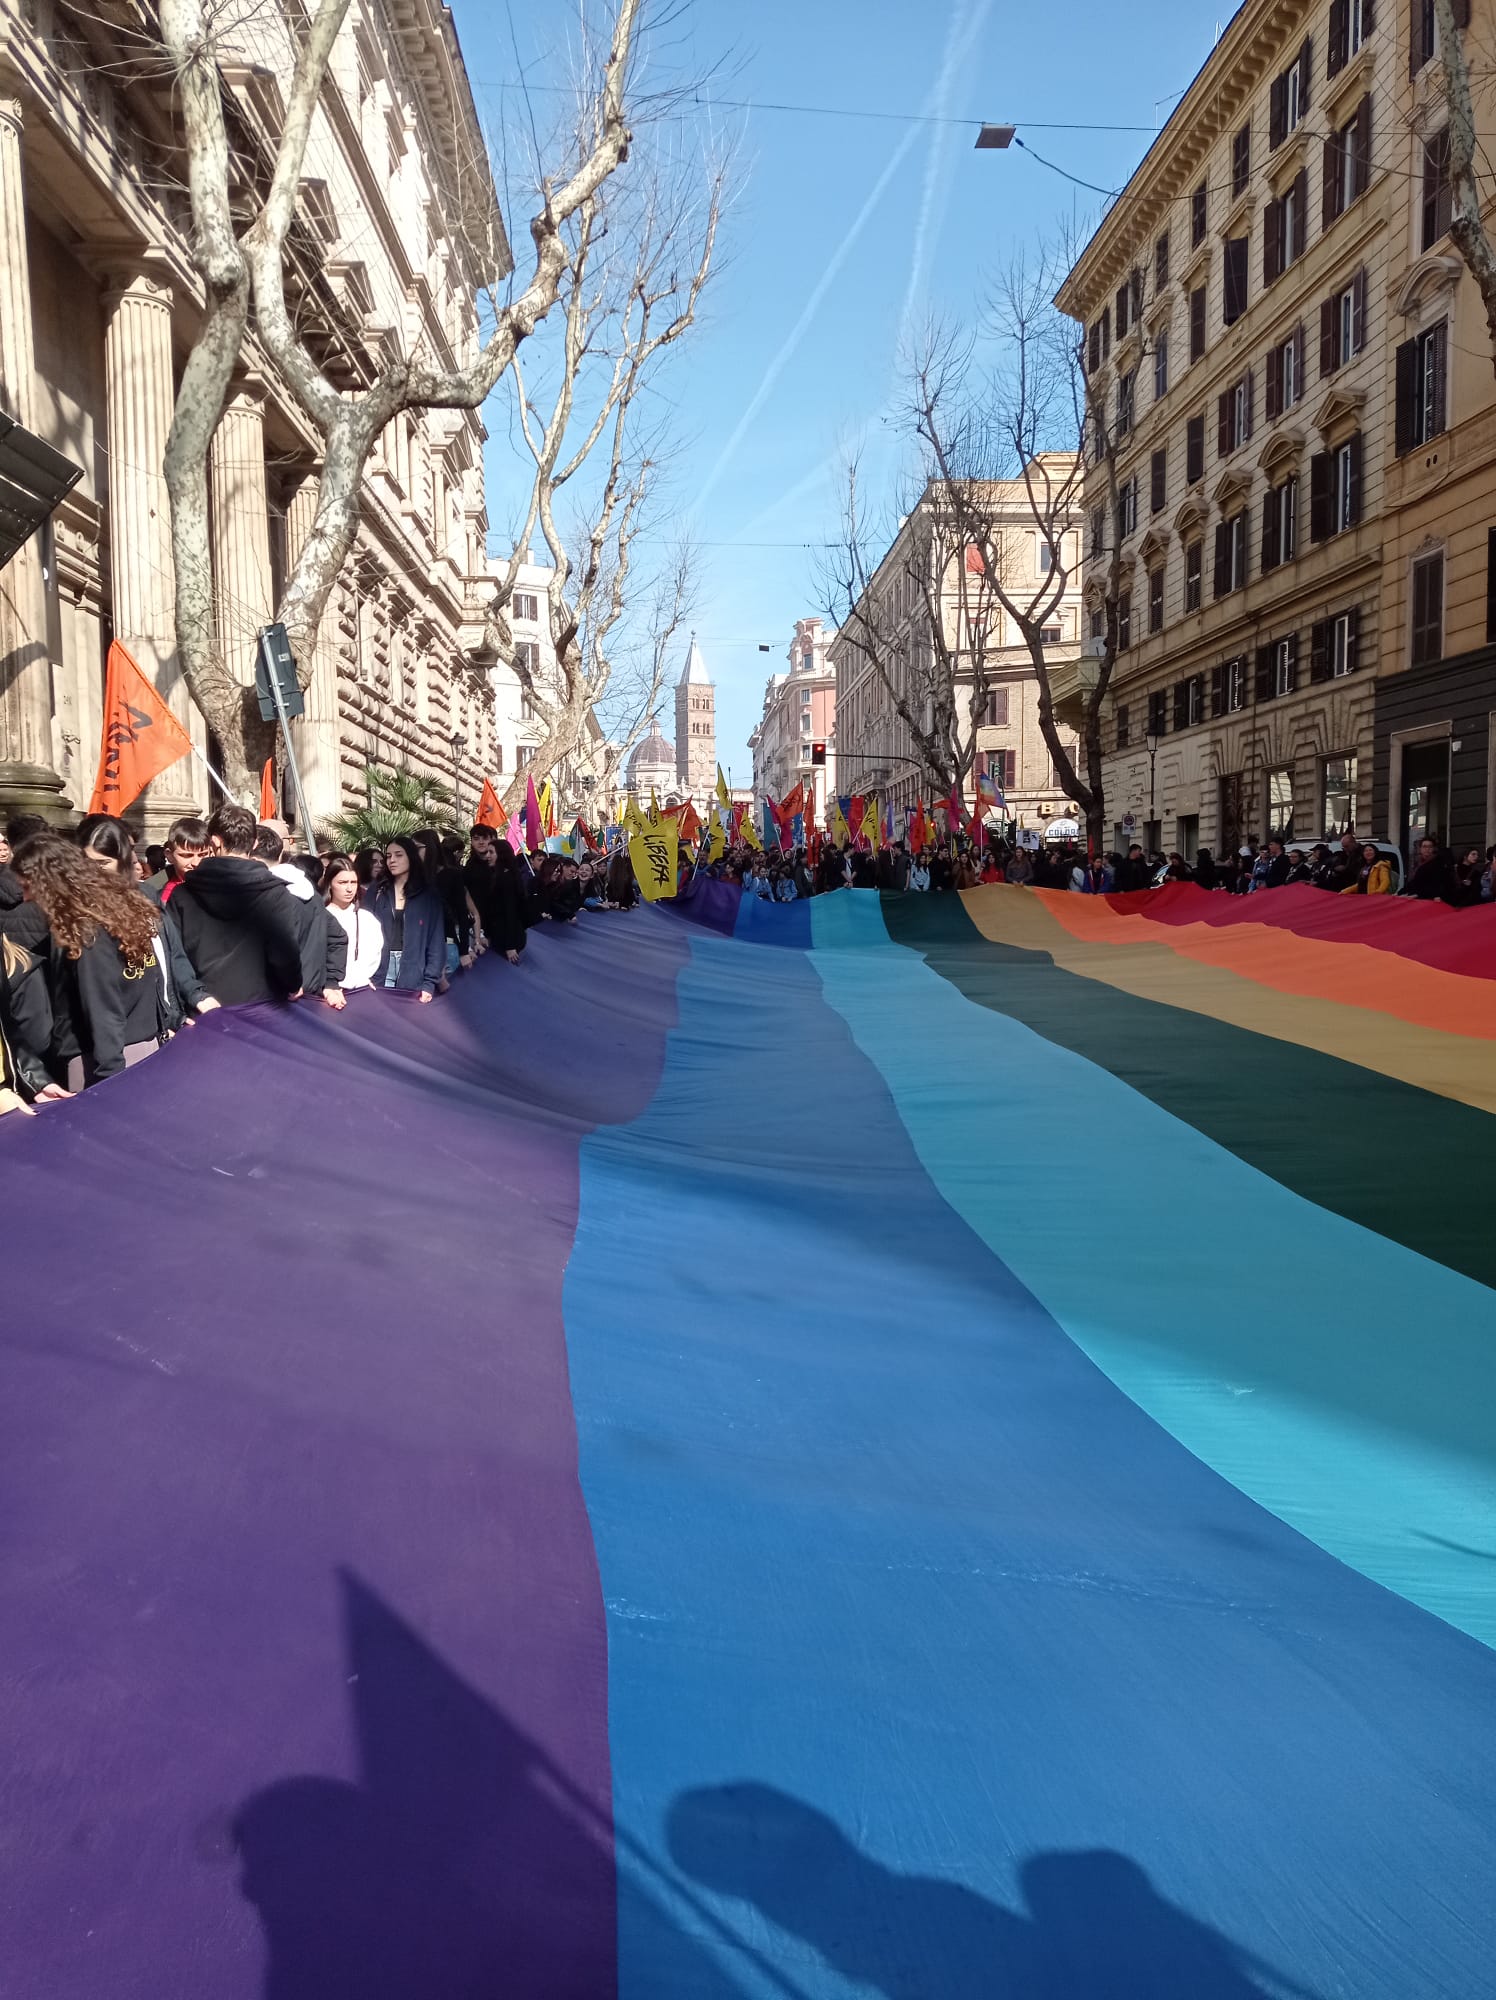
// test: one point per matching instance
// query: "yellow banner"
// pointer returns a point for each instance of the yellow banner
(656, 856)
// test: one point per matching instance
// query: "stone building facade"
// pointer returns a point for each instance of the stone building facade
(1296, 378)
(98, 307)
(799, 712)
(875, 747)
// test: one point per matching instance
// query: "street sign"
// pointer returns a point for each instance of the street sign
(275, 673)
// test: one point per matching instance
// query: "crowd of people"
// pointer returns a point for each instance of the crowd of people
(108, 949)
(1349, 867)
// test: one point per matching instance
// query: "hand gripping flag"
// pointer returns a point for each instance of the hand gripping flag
(490, 812)
(141, 735)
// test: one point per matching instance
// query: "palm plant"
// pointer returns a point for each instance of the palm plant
(399, 801)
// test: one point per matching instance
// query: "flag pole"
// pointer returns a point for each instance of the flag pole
(211, 772)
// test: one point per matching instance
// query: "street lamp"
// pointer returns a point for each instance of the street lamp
(1151, 741)
(459, 744)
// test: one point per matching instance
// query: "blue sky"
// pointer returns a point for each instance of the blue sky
(757, 493)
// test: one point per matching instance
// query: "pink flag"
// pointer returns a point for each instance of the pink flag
(532, 816)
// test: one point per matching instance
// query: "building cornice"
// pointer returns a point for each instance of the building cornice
(1228, 79)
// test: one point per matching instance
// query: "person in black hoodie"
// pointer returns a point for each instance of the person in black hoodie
(113, 1000)
(237, 922)
(493, 886)
(322, 942)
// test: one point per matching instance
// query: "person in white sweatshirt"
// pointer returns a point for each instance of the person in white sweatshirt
(365, 934)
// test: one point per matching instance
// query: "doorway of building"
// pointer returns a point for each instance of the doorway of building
(1424, 806)
(1187, 836)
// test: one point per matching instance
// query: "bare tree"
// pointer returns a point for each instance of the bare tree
(921, 619)
(1467, 226)
(1003, 421)
(637, 672)
(242, 267)
(630, 291)
(1006, 447)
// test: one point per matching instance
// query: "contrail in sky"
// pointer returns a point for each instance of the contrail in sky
(811, 307)
(966, 23)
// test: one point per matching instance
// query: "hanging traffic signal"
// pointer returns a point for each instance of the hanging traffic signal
(817, 753)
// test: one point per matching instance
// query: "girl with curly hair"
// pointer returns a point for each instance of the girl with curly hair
(113, 1000)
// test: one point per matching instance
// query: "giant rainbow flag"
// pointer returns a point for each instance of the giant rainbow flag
(933, 1447)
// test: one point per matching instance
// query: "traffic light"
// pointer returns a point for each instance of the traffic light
(817, 753)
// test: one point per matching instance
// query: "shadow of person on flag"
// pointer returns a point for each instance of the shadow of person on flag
(1093, 1926)
(464, 1865)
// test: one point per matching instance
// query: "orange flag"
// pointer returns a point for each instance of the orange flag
(490, 812)
(267, 790)
(141, 735)
(689, 822)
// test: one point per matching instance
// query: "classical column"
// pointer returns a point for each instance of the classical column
(318, 735)
(140, 392)
(241, 530)
(28, 776)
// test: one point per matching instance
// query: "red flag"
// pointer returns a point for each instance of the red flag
(490, 812)
(532, 816)
(267, 790)
(919, 828)
(141, 735)
(955, 809)
(690, 821)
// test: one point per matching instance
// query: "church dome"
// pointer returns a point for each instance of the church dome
(651, 762)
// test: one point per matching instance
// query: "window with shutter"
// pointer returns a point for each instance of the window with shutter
(1124, 297)
(1234, 278)
(1358, 312)
(1161, 364)
(1156, 600)
(1193, 565)
(1427, 636)
(1296, 218)
(1277, 115)
(1223, 424)
(1332, 179)
(1197, 323)
(1285, 665)
(1321, 487)
(1158, 712)
(1199, 212)
(1158, 481)
(1273, 376)
(1437, 193)
(1405, 406)
(1241, 161)
(1161, 262)
(1124, 621)
(1319, 651)
(1421, 388)
(1218, 690)
(1236, 684)
(1136, 282)
(1093, 353)
(1194, 450)
(1360, 151)
(1222, 560)
(1181, 704)
(1329, 338)
(1272, 242)
(1122, 724)
(1337, 53)
(1490, 585)
(1264, 687)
